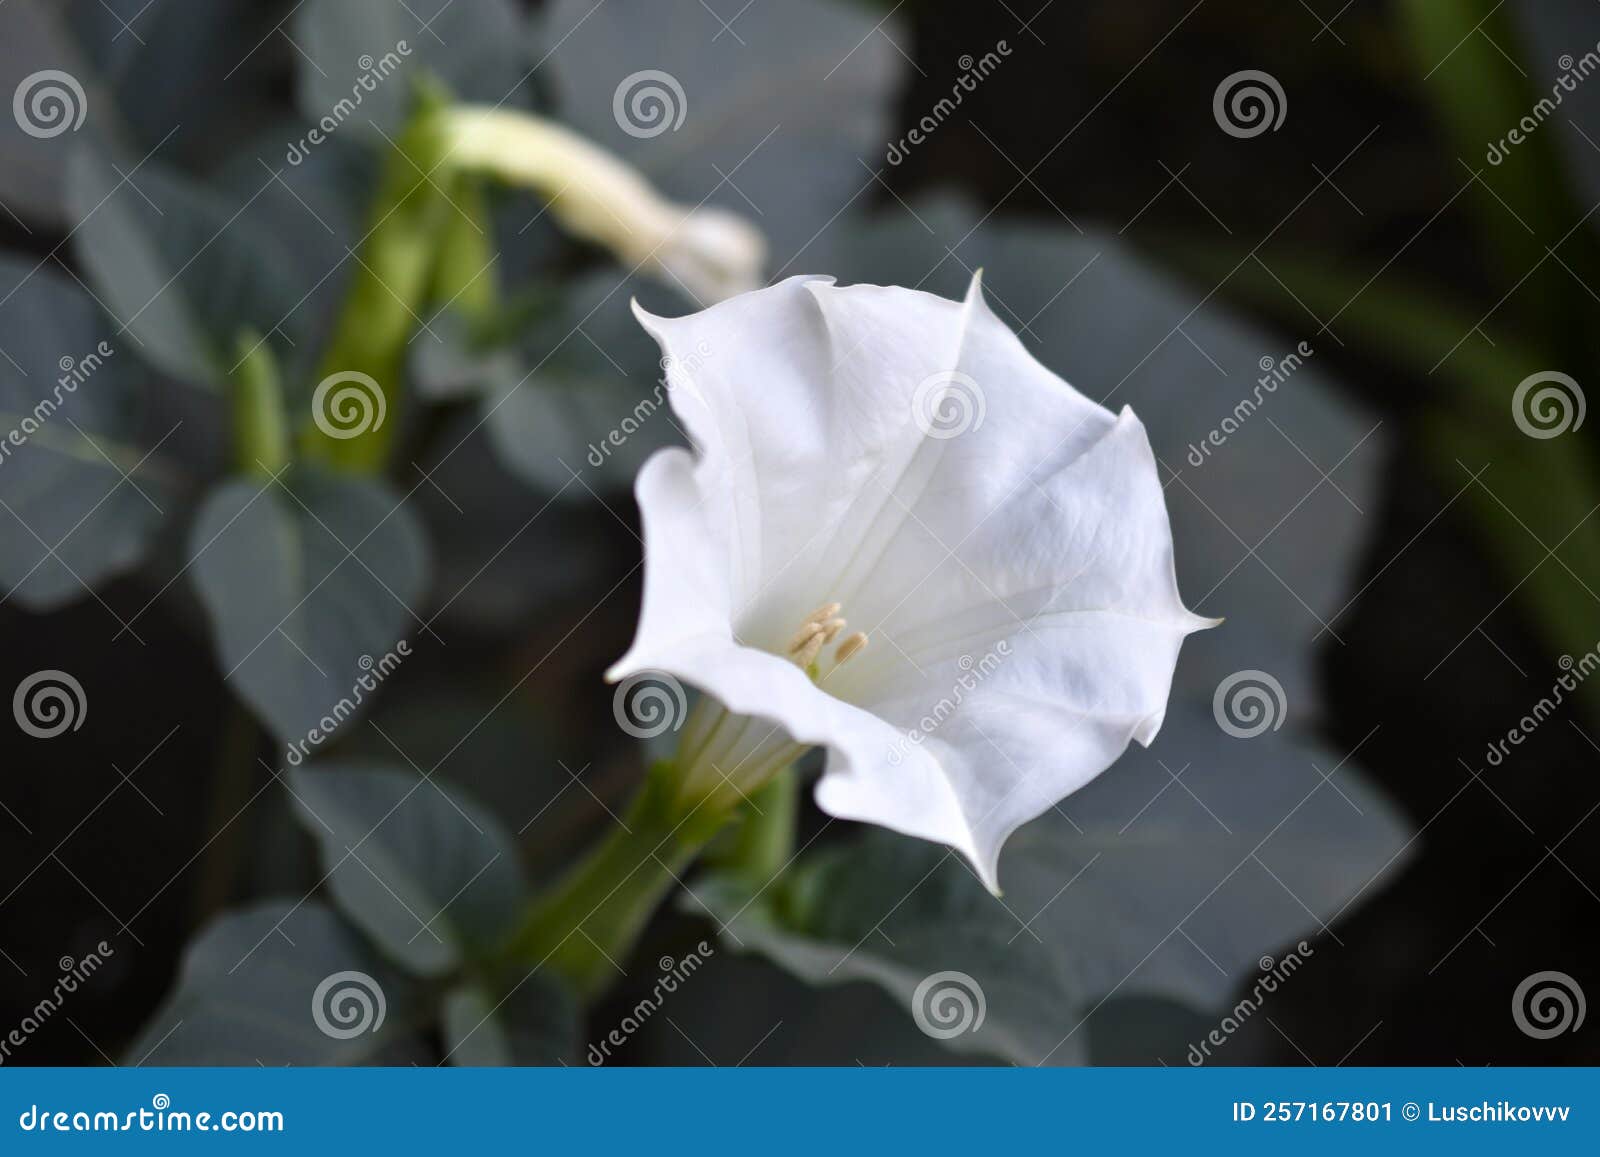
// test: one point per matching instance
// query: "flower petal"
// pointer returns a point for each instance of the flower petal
(745, 378)
(684, 631)
(906, 456)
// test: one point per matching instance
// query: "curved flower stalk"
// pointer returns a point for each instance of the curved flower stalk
(899, 538)
(710, 253)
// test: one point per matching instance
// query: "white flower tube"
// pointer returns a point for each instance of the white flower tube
(901, 538)
(710, 253)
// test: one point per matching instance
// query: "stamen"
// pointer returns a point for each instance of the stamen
(802, 638)
(818, 630)
(808, 652)
(824, 612)
(851, 646)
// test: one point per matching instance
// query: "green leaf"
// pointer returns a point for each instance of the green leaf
(454, 364)
(316, 212)
(1136, 885)
(431, 877)
(228, 53)
(730, 1006)
(78, 501)
(577, 404)
(179, 268)
(283, 983)
(367, 53)
(537, 1023)
(311, 582)
(780, 111)
(576, 436)
(494, 539)
(33, 164)
(1530, 496)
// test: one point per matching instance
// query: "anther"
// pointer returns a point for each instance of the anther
(809, 650)
(824, 612)
(802, 638)
(855, 643)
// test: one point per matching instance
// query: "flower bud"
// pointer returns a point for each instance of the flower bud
(709, 253)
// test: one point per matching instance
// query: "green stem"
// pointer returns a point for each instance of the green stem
(260, 429)
(763, 843)
(464, 278)
(389, 287)
(588, 923)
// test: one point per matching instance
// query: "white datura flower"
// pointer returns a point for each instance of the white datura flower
(711, 253)
(901, 538)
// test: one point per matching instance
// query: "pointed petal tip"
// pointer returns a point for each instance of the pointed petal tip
(643, 315)
(621, 669)
(986, 866)
(991, 883)
(974, 295)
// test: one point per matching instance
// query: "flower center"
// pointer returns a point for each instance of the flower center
(819, 629)
(723, 756)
